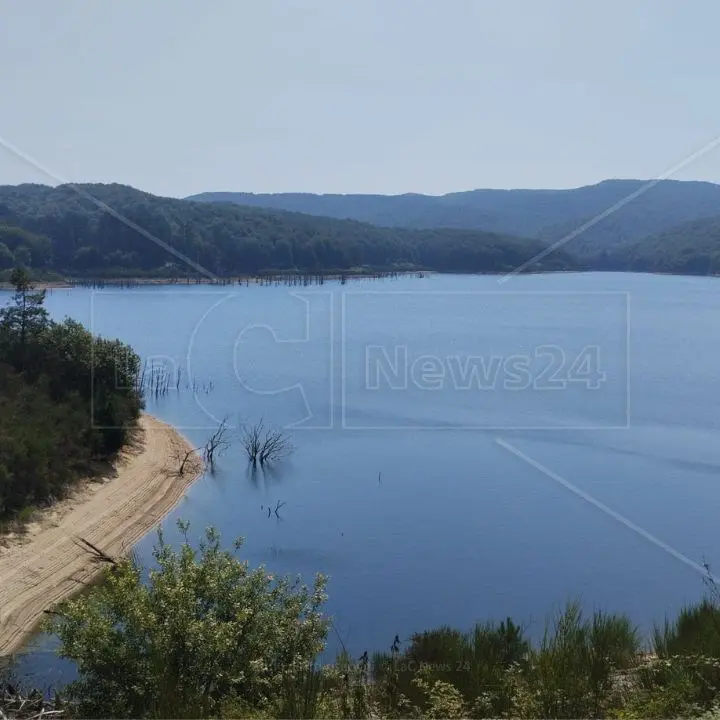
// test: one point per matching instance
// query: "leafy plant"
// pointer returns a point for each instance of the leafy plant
(571, 673)
(204, 630)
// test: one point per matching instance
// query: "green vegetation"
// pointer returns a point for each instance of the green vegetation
(68, 401)
(692, 248)
(66, 232)
(75, 231)
(202, 635)
(203, 630)
(544, 214)
(19, 247)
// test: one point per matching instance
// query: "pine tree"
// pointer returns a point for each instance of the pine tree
(24, 317)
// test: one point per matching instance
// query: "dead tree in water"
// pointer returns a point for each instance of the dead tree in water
(275, 447)
(265, 445)
(216, 444)
(252, 441)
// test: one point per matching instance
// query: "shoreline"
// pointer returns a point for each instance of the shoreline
(245, 280)
(43, 565)
(129, 282)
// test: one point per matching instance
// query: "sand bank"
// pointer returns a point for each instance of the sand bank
(44, 565)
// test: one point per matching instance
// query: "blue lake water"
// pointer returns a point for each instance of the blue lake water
(464, 449)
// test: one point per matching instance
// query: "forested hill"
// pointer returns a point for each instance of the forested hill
(62, 229)
(543, 214)
(692, 248)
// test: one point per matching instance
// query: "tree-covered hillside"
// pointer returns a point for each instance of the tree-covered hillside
(67, 400)
(75, 231)
(63, 229)
(546, 214)
(692, 248)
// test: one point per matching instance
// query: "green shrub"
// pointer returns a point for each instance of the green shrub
(671, 687)
(203, 632)
(473, 663)
(696, 631)
(684, 677)
(571, 673)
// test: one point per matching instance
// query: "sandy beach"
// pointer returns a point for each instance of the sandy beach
(44, 565)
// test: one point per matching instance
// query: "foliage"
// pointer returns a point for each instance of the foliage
(68, 400)
(86, 240)
(671, 227)
(571, 673)
(20, 247)
(696, 631)
(474, 663)
(204, 631)
(670, 687)
(549, 215)
(23, 320)
(691, 248)
(495, 672)
(442, 699)
(683, 678)
(43, 446)
(582, 668)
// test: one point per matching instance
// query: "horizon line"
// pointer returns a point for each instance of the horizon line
(310, 193)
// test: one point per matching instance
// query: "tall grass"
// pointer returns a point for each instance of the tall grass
(683, 677)
(696, 631)
(571, 673)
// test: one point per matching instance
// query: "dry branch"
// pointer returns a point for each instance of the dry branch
(265, 445)
(96, 554)
(216, 444)
(15, 705)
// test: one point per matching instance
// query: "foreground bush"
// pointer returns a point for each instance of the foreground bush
(474, 664)
(682, 678)
(203, 632)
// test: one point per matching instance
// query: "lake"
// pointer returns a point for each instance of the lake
(465, 449)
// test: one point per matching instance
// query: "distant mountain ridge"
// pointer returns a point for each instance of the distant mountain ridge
(673, 227)
(548, 215)
(60, 229)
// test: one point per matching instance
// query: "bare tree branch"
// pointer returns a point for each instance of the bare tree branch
(216, 444)
(252, 440)
(265, 445)
(16, 705)
(275, 447)
(96, 554)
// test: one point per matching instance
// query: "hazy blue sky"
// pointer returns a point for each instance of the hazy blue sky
(387, 96)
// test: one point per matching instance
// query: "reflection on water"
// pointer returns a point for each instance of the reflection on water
(261, 477)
